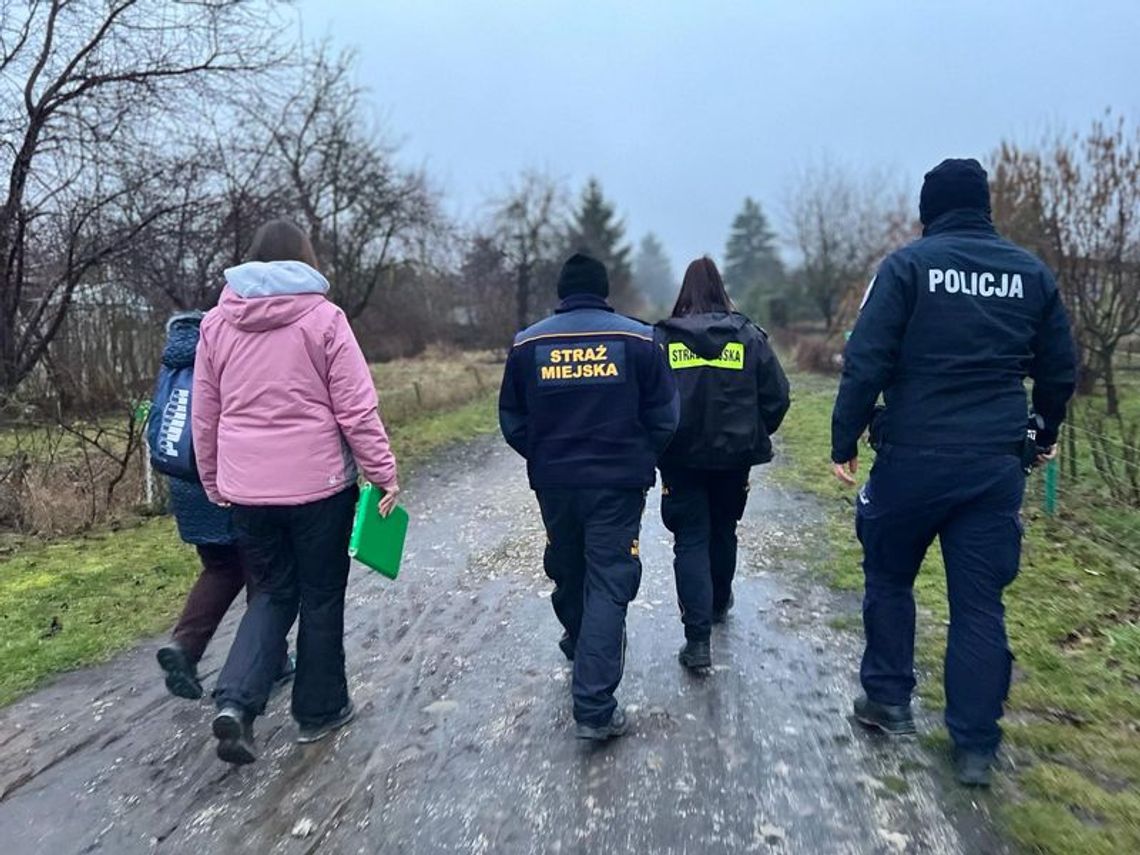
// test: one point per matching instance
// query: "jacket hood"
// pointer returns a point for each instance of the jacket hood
(263, 295)
(960, 220)
(707, 334)
(181, 341)
(275, 278)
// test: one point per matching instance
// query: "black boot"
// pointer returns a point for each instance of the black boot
(892, 720)
(181, 675)
(316, 732)
(566, 645)
(696, 654)
(616, 726)
(234, 731)
(973, 768)
(721, 615)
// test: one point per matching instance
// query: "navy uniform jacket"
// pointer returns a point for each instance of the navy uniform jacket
(587, 398)
(950, 328)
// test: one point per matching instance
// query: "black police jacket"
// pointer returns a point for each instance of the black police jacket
(950, 327)
(734, 394)
(587, 398)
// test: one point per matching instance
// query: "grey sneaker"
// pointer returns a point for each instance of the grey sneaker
(617, 726)
(892, 720)
(234, 732)
(317, 732)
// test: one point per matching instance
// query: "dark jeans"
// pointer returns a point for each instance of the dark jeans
(702, 508)
(298, 558)
(593, 557)
(221, 580)
(971, 502)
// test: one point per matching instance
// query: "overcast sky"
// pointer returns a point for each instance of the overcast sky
(681, 109)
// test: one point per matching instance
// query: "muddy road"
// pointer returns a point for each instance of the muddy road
(464, 740)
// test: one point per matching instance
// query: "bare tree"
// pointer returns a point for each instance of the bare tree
(221, 195)
(364, 212)
(488, 284)
(85, 89)
(842, 224)
(1076, 201)
(529, 221)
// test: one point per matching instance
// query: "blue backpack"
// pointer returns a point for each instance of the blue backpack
(168, 433)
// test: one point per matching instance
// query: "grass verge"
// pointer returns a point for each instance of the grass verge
(1073, 719)
(70, 603)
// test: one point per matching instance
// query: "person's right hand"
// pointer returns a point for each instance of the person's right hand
(845, 472)
(1049, 454)
(389, 501)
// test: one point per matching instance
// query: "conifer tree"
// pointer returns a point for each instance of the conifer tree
(596, 230)
(752, 270)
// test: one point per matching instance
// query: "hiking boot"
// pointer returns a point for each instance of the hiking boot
(234, 732)
(616, 726)
(892, 720)
(288, 671)
(566, 645)
(721, 615)
(181, 674)
(316, 732)
(695, 654)
(974, 768)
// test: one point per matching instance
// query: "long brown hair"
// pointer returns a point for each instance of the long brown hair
(282, 240)
(702, 290)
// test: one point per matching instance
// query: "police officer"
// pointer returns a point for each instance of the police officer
(950, 328)
(733, 397)
(588, 400)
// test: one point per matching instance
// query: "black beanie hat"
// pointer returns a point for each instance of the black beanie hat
(954, 183)
(583, 275)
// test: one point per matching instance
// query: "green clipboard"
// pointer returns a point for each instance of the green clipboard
(377, 542)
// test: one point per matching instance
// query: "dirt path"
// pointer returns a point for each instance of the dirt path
(464, 739)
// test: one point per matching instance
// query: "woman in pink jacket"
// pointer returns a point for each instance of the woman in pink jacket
(284, 417)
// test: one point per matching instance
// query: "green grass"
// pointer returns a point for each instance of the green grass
(1074, 624)
(74, 602)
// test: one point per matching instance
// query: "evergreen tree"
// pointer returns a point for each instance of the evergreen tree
(596, 230)
(652, 272)
(753, 272)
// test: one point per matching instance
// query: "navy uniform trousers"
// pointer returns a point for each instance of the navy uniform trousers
(701, 508)
(972, 503)
(593, 557)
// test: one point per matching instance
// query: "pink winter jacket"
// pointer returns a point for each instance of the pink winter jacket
(283, 399)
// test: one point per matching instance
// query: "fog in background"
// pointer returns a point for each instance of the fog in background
(683, 108)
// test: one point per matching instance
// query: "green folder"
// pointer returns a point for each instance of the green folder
(378, 542)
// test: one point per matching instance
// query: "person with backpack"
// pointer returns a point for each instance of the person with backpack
(734, 395)
(202, 524)
(285, 415)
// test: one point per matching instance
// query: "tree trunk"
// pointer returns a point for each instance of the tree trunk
(1108, 374)
(522, 294)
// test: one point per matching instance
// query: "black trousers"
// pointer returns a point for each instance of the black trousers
(593, 557)
(971, 503)
(298, 558)
(702, 508)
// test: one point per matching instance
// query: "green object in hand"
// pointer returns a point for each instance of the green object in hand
(378, 542)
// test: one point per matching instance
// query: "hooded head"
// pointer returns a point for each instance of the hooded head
(278, 283)
(582, 274)
(954, 183)
(181, 339)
